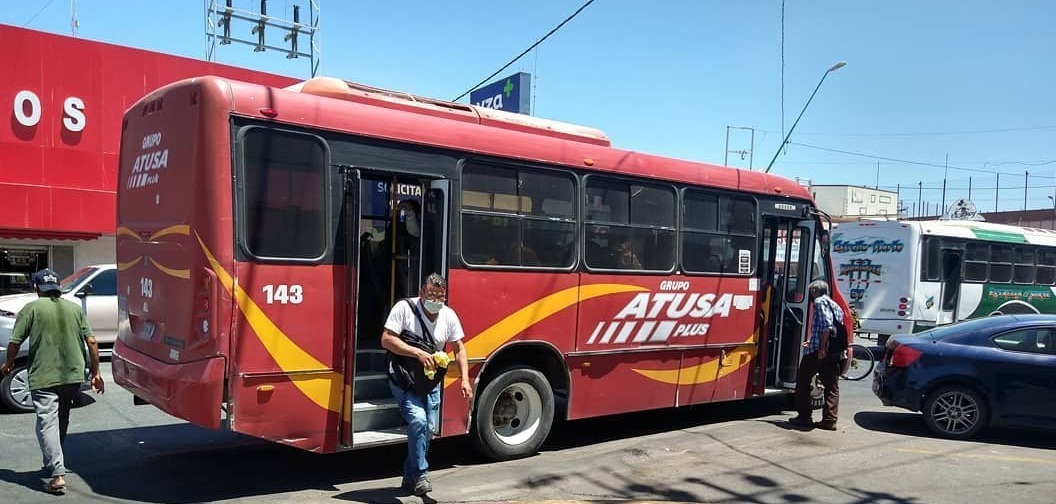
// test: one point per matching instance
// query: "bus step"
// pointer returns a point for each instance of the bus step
(372, 385)
(365, 439)
(371, 359)
(378, 414)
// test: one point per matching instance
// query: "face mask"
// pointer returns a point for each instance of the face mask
(431, 306)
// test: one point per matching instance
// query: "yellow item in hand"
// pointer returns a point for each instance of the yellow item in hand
(442, 360)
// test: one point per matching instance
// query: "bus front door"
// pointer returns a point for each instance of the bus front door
(788, 264)
(400, 225)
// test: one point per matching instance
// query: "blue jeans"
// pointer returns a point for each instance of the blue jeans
(422, 415)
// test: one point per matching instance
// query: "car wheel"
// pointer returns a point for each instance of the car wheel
(514, 414)
(14, 390)
(955, 412)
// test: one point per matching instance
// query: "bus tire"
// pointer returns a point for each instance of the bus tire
(514, 414)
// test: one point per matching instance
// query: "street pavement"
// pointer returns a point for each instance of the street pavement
(731, 452)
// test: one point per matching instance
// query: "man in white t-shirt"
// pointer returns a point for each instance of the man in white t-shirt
(421, 412)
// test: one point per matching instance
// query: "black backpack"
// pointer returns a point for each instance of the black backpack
(838, 340)
(406, 372)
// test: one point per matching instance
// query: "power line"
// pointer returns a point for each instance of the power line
(923, 163)
(930, 133)
(42, 9)
(519, 56)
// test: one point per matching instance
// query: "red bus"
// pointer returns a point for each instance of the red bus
(263, 234)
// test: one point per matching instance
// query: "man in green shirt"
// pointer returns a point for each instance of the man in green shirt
(58, 333)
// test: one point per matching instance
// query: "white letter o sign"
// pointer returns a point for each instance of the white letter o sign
(33, 117)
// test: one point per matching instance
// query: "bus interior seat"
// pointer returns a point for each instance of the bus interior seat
(476, 199)
(509, 203)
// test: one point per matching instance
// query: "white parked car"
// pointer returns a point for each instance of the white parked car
(94, 288)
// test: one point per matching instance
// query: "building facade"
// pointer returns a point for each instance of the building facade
(65, 98)
(844, 202)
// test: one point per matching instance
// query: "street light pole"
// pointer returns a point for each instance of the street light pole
(831, 69)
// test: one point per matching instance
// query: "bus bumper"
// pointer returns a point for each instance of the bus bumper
(192, 391)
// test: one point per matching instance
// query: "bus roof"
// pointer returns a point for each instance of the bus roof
(988, 231)
(335, 105)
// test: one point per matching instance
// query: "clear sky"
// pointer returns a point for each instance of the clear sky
(970, 79)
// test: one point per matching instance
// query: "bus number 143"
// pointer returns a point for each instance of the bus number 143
(283, 294)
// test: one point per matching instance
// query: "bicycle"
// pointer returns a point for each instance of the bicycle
(862, 362)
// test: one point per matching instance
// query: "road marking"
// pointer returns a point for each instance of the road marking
(975, 456)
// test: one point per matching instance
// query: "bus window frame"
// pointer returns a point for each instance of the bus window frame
(1018, 266)
(968, 245)
(584, 237)
(993, 262)
(719, 195)
(458, 210)
(1049, 268)
(239, 193)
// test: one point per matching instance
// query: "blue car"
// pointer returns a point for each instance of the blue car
(994, 371)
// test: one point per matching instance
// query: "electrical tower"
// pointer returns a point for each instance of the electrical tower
(218, 24)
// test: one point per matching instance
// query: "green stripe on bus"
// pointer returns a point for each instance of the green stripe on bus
(1001, 236)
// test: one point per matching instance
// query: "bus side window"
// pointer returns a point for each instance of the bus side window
(1046, 273)
(1023, 271)
(1000, 263)
(976, 259)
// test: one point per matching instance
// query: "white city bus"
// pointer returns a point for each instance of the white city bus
(908, 276)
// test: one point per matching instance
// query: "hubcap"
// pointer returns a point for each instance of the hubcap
(20, 388)
(517, 414)
(955, 412)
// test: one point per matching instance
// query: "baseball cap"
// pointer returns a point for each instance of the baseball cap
(45, 280)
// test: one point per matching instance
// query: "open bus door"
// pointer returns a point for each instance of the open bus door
(950, 288)
(400, 228)
(788, 269)
(348, 228)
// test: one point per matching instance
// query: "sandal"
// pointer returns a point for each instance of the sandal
(50, 487)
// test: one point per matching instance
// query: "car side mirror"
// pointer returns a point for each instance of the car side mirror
(84, 292)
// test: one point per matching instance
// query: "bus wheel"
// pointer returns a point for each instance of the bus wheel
(514, 414)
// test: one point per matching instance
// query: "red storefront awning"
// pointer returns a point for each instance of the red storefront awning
(44, 234)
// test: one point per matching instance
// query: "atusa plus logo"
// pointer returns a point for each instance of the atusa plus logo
(656, 317)
(145, 169)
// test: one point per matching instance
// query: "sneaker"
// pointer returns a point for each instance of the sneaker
(422, 487)
(825, 425)
(801, 421)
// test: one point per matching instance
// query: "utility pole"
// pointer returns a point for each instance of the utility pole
(920, 198)
(945, 173)
(1026, 182)
(74, 23)
(969, 187)
(997, 190)
(878, 175)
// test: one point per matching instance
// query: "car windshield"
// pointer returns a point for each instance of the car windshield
(970, 326)
(75, 279)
